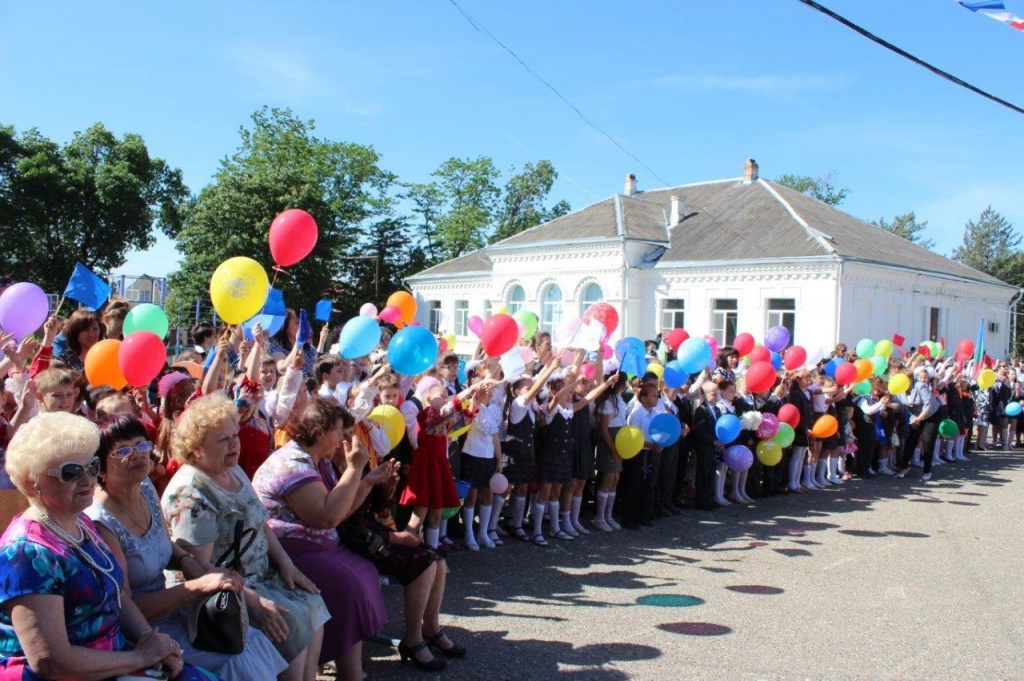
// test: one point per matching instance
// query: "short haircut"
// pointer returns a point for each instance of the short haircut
(49, 380)
(725, 385)
(318, 416)
(117, 428)
(324, 365)
(449, 358)
(45, 441)
(202, 331)
(103, 406)
(79, 321)
(387, 381)
(201, 416)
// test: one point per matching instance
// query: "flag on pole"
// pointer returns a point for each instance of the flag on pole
(986, 7)
(979, 349)
(87, 288)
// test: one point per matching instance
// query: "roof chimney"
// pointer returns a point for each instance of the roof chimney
(750, 170)
(630, 185)
(678, 211)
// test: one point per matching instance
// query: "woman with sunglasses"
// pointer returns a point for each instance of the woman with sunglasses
(127, 510)
(64, 610)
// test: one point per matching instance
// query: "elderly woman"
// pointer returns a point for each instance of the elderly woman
(304, 513)
(127, 511)
(82, 331)
(202, 502)
(64, 609)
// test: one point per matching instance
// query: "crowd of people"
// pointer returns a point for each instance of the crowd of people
(134, 496)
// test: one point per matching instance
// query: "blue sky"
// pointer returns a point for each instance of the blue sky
(691, 88)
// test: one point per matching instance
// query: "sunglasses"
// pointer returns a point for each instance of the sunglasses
(73, 472)
(125, 452)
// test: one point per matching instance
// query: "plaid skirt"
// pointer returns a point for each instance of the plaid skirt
(477, 471)
(555, 465)
(518, 467)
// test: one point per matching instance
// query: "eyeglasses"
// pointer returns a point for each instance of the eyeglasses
(73, 472)
(125, 452)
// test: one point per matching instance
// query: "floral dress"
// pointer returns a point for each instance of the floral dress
(200, 512)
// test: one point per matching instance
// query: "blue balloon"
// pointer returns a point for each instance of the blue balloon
(1014, 409)
(727, 428)
(412, 350)
(832, 365)
(271, 323)
(462, 372)
(359, 337)
(632, 354)
(674, 375)
(665, 430)
(693, 355)
(776, 360)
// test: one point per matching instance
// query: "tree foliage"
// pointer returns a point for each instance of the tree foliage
(991, 245)
(92, 200)
(907, 226)
(823, 187)
(281, 164)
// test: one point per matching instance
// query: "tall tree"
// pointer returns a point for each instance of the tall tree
(991, 245)
(92, 200)
(906, 226)
(523, 200)
(280, 164)
(822, 187)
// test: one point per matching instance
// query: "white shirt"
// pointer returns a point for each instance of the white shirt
(480, 439)
(566, 413)
(519, 410)
(641, 418)
(615, 409)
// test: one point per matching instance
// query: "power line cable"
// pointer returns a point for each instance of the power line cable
(582, 116)
(906, 55)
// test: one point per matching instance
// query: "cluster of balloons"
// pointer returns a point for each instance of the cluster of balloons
(136, 360)
(664, 431)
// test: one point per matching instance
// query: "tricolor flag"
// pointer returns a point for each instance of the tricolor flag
(979, 350)
(987, 8)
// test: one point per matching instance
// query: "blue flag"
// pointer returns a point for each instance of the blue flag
(87, 288)
(989, 4)
(324, 308)
(275, 302)
(305, 334)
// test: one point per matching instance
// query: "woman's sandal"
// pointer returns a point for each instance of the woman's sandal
(539, 540)
(520, 534)
(407, 653)
(435, 642)
(563, 535)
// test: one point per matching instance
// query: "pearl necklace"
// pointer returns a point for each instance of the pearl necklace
(76, 544)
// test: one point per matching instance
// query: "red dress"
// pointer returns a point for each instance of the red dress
(256, 445)
(431, 483)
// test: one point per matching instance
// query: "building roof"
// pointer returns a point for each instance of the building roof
(726, 220)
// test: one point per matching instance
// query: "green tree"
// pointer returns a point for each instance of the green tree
(822, 187)
(906, 226)
(281, 164)
(92, 200)
(991, 245)
(523, 200)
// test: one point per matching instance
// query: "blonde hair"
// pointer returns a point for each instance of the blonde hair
(49, 438)
(49, 380)
(198, 419)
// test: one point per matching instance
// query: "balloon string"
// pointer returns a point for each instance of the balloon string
(277, 270)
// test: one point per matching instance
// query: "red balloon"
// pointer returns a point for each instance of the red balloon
(794, 357)
(292, 236)
(743, 343)
(965, 350)
(846, 373)
(760, 354)
(142, 356)
(499, 334)
(760, 377)
(606, 315)
(789, 414)
(676, 337)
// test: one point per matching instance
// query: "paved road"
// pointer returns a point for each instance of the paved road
(882, 579)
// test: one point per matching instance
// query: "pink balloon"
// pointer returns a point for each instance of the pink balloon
(293, 236)
(587, 370)
(415, 322)
(607, 352)
(390, 314)
(713, 344)
(566, 358)
(476, 325)
(521, 326)
(526, 353)
(442, 345)
(499, 483)
(142, 356)
(368, 310)
(769, 426)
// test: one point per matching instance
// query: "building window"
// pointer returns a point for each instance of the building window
(934, 316)
(461, 317)
(434, 306)
(672, 314)
(551, 308)
(591, 294)
(487, 309)
(724, 319)
(516, 299)
(782, 312)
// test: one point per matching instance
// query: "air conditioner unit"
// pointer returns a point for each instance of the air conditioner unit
(993, 327)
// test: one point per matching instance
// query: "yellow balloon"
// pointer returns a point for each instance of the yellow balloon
(239, 289)
(883, 348)
(899, 384)
(769, 452)
(391, 420)
(986, 379)
(501, 309)
(657, 369)
(629, 441)
(450, 339)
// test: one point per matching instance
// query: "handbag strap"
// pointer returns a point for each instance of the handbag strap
(232, 556)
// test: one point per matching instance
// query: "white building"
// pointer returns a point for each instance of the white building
(720, 258)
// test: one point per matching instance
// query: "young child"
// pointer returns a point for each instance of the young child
(611, 416)
(637, 470)
(480, 460)
(330, 372)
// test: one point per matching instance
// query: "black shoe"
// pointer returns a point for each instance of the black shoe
(407, 653)
(435, 642)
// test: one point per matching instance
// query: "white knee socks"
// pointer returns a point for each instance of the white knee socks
(720, 474)
(538, 519)
(553, 519)
(496, 506)
(796, 462)
(431, 537)
(485, 524)
(518, 511)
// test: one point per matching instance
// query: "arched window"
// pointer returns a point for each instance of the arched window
(591, 294)
(516, 299)
(551, 308)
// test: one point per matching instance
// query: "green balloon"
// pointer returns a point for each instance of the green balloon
(880, 364)
(146, 317)
(948, 428)
(862, 388)
(865, 348)
(785, 435)
(529, 321)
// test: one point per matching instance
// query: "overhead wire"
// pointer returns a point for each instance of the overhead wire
(475, 24)
(906, 55)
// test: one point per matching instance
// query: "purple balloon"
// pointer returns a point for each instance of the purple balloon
(738, 458)
(23, 309)
(777, 338)
(769, 426)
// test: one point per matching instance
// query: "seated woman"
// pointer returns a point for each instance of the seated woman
(201, 504)
(64, 610)
(304, 513)
(127, 511)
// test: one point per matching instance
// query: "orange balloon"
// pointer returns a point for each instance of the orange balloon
(826, 426)
(864, 369)
(406, 304)
(101, 367)
(194, 370)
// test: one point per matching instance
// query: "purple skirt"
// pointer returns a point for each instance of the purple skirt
(349, 585)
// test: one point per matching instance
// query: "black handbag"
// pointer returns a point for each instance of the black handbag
(218, 623)
(365, 536)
